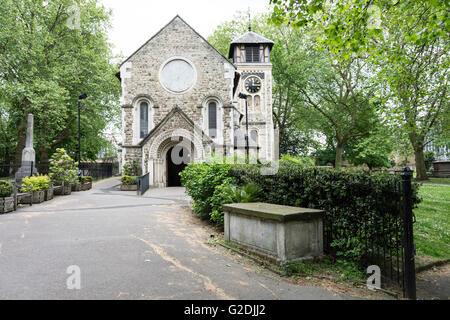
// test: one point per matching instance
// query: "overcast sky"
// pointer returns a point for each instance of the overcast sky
(135, 21)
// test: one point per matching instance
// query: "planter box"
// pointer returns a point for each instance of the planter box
(6, 205)
(67, 189)
(48, 194)
(131, 187)
(58, 190)
(38, 196)
(86, 186)
(281, 233)
(76, 186)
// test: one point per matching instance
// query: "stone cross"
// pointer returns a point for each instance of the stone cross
(27, 167)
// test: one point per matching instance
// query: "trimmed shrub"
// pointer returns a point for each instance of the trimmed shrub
(63, 168)
(39, 183)
(6, 189)
(201, 181)
(131, 169)
(128, 180)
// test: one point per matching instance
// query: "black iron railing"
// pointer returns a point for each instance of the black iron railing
(143, 184)
(384, 238)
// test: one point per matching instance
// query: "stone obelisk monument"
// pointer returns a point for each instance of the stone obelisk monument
(28, 167)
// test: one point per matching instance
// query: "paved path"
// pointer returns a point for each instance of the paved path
(127, 247)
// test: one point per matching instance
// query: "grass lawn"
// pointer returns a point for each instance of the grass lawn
(438, 181)
(432, 227)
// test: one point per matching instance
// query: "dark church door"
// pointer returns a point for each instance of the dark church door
(177, 159)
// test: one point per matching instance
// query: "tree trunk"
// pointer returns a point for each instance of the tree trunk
(421, 170)
(43, 161)
(338, 159)
(417, 144)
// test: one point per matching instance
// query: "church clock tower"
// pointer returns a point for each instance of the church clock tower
(251, 56)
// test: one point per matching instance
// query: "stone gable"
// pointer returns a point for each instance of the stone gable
(140, 74)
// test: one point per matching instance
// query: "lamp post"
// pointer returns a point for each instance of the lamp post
(247, 151)
(80, 107)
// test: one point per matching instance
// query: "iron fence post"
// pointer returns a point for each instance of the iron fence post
(408, 239)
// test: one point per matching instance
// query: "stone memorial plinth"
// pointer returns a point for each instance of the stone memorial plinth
(283, 233)
(28, 165)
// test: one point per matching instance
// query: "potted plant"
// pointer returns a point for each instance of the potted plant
(37, 184)
(6, 201)
(63, 171)
(128, 183)
(86, 183)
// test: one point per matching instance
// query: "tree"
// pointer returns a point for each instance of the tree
(339, 94)
(373, 151)
(47, 60)
(412, 54)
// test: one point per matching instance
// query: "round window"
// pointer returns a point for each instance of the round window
(177, 75)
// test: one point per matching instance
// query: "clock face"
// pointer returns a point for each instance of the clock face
(177, 76)
(253, 84)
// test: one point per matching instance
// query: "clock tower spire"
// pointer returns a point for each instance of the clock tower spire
(251, 56)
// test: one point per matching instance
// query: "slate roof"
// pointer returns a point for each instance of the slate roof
(249, 37)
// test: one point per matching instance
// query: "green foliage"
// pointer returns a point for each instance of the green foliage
(304, 161)
(201, 181)
(46, 63)
(429, 159)
(128, 180)
(131, 169)
(241, 194)
(38, 183)
(63, 168)
(6, 189)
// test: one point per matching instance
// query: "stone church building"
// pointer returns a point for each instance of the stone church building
(180, 101)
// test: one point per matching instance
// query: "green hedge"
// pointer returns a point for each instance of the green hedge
(204, 183)
(349, 198)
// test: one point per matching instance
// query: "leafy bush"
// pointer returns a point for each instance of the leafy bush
(128, 180)
(39, 183)
(131, 169)
(63, 168)
(201, 181)
(6, 189)
(305, 161)
(241, 194)
(429, 159)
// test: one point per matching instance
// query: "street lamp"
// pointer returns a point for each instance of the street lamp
(247, 152)
(80, 107)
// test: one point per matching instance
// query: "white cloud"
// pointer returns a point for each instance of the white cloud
(135, 21)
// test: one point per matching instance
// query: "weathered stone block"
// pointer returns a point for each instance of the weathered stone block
(282, 233)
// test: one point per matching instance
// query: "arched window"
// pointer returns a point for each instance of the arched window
(253, 138)
(257, 102)
(143, 110)
(212, 119)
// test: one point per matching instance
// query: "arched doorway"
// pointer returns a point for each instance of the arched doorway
(177, 158)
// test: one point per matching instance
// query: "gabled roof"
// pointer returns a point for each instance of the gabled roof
(176, 17)
(249, 37)
(168, 116)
